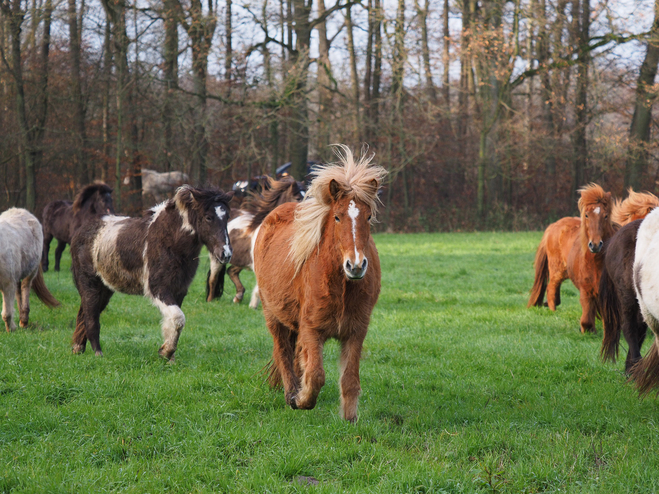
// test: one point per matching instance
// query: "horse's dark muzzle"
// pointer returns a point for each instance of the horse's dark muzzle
(595, 248)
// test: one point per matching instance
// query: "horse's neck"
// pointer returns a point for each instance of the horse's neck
(168, 230)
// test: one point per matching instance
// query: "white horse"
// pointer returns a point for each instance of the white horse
(21, 243)
(160, 185)
(646, 276)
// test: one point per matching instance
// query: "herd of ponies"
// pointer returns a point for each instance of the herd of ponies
(316, 265)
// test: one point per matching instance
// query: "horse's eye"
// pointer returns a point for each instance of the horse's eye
(336, 218)
(209, 218)
(369, 217)
(586, 216)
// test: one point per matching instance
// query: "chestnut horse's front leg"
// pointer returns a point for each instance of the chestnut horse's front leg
(282, 356)
(589, 312)
(351, 350)
(310, 360)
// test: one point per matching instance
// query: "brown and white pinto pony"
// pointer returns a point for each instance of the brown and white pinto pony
(155, 256)
(62, 218)
(242, 232)
(570, 248)
(318, 273)
(21, 240)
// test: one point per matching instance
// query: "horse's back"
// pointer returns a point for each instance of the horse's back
(560, 237)
(21, 239)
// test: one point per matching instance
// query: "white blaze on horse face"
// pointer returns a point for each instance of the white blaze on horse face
(353, 212)
(221, 213)
(597, 210)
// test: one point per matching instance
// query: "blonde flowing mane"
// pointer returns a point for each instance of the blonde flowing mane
(357, 179)
(637, 205)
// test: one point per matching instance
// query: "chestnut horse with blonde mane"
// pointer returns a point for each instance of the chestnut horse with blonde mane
(318, 273)
(570, 248)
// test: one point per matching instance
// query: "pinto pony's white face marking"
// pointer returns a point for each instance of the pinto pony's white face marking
(221, 213)
(597, 210)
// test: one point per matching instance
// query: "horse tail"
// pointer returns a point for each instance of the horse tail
(609, 307)
(541, 265)
(40, 288)
(215, 283)
(645, 372)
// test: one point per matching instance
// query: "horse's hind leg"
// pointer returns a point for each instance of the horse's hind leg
(282, 356)
(310, 359)
(23, 298)
(61, 245)
(351, 351)
(173, 321)
(47, 238)
(256, 298)
(554, 293)
(8, 294)
(233, 273)
(634, 330)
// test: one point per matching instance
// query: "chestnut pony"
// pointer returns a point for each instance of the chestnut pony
(318, 273)
(570, 248)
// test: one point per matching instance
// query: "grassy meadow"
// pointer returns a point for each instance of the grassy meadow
(464, 390)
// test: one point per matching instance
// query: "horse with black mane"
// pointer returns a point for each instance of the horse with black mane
(155, 255)
(62, 218)
(21, 239)
(318, 273)
(618, 304)
(242, 232)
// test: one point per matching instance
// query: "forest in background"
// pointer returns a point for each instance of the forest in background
(488, 114)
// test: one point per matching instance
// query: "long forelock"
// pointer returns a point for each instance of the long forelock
(354, 180)
(594, 195)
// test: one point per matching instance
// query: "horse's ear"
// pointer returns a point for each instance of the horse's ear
(229, 195)
(373, 187)
(334, 190)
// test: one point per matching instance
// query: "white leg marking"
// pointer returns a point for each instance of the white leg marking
(254, 301)
(172, 323)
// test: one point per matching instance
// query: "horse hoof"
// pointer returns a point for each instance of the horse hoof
(78, 349)
(23, 324)
(166, 354)
(98, 353)
(291, 401)
(237, 300)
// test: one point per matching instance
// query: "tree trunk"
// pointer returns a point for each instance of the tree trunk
(41, 108)
(377, 66)
(200, 28)
(639, 131)
(422, 15)
(82, 163)
(228, 55)
(446, 60)
(398, 58)
(324, 91)
(171, 78)
(107, 74)
(299, 127)
(353, 75)
(580, 143)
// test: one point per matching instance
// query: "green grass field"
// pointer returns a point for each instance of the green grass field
(464, 390)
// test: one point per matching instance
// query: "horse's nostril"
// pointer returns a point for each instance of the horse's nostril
(364, 264)
(348, 265)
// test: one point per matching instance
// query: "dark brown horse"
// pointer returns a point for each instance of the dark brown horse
(62, 218)
(619, 307)
(570, 248)
(617, 298)
(242, 232)
(318, 273)
(155, 256)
